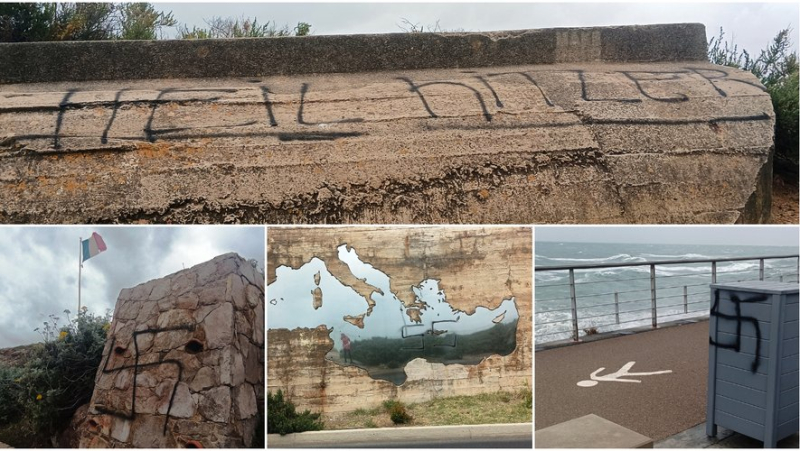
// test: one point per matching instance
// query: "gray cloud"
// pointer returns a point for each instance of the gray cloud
(39, 267)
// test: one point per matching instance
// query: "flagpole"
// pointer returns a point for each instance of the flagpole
(80, 265)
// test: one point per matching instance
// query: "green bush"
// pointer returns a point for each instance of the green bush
(777, 69)
(398, 414)
(39, 398)
(283, 419)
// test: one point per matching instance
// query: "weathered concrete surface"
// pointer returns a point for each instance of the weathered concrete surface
(183, 363)
(366, 148)
(476, 266)
(583, 138)
(130, 60)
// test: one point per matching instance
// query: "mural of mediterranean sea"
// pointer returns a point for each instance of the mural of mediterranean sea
(380, 333)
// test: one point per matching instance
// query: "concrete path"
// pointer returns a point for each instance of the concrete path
(518, 435)
(660, 405)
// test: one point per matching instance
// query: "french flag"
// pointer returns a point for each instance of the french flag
(93, 246)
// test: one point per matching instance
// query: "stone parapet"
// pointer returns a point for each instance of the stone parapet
(210, 58)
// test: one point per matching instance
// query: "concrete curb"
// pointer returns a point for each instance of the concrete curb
(34, 62)
(382, 437)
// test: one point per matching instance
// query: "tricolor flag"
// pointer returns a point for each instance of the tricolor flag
(92, 246)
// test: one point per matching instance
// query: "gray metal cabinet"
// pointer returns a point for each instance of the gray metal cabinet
(753, 360)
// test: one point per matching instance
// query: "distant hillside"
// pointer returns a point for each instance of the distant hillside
(16, 356)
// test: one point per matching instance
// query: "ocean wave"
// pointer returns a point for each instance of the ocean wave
(681, 256)
(619, 258)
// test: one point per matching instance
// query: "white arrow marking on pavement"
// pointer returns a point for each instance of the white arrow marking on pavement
(617, 376)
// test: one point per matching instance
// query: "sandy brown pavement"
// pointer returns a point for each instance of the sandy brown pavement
(659, 406)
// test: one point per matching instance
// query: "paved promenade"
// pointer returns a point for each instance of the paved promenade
(659, 406)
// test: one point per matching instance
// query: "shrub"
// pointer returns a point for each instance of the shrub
(398, 414)
(777, 69)
(283, 419)
(41, 397)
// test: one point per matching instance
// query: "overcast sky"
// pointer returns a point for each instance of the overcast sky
(711, 235)
(39, 267)
(751, 25)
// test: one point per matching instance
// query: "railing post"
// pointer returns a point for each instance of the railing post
(616, 306)
(760, 269)
(713, 272)
(654, 312)
(574, 304)
(685, 300)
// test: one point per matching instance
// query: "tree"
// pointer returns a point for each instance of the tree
(29, 22)
(141, 21)
(244, 27)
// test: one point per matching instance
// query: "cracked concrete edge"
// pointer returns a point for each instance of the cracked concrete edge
(399, 435)
(33, 62)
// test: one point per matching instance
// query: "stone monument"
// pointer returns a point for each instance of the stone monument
(183, 364)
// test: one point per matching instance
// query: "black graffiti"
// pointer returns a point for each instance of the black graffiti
(151, 133)
(674, 76)
(265, 94)
(530, 79)
(418, 90)
(432, 332)
(136, 366)
(498, 103)
(585, 94)
(62, 107)
(148, 128)
(104, 138)
(740, 319)
(301, 120)
(721, 75)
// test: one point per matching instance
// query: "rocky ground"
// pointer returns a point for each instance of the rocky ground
(785, 201)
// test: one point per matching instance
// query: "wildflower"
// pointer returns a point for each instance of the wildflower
(106, 326)
(63, 335)
(39, 397)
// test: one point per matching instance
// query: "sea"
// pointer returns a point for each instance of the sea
(611, 299)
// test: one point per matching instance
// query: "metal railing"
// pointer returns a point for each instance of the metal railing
(671, 294)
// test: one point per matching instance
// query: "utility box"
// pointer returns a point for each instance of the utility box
(753, 360)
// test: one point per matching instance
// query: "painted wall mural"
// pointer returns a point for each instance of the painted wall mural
(381, 333)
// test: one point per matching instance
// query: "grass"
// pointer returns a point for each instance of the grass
(488, 408)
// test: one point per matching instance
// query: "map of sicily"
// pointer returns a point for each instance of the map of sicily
(379, 332)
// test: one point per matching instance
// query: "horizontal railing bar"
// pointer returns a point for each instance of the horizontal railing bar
(660, 262)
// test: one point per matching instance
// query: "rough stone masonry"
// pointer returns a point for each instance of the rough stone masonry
(476, 267)
(183, 364)
(572, 125)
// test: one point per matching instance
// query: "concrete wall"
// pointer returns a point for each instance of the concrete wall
(81, 61)
(475, 266)
(590, 134)
(183, 362)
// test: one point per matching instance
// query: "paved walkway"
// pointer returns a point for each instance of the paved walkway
(660, 406)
